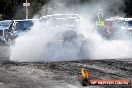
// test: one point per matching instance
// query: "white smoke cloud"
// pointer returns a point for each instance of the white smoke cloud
(45, 44)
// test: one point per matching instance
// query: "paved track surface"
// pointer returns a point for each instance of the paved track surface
(59, 74)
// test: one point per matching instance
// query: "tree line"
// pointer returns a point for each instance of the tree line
(13, 9)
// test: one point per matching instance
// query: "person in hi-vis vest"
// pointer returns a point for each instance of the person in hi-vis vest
(100, 23)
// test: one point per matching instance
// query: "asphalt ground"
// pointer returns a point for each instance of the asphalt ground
(62, 74)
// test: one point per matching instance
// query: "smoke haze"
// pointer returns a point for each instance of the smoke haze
(45, 44)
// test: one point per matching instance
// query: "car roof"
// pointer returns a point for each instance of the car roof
(27, 20)
(119, 18)
(60, 16)
(5, 21)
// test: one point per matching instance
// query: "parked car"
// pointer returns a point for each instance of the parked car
(116, 28)
(128, 26)
(23, 26)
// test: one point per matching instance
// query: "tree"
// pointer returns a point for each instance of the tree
(6, 9)
(128, 7)
(14, 8)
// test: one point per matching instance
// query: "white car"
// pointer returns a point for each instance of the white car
(68, 37)
(67, 23)
(119, 27)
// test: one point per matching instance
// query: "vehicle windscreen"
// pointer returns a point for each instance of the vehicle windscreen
(23, 25)
(62, 22)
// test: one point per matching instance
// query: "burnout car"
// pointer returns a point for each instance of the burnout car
(66, 28)
(6, 30)
(66, 23)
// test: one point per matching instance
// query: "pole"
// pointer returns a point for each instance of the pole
(76, 5)
(26, 10)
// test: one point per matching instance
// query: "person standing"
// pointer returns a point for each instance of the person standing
(100, 23)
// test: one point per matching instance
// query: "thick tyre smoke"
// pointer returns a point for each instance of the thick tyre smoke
(44, 43)
(49, 43)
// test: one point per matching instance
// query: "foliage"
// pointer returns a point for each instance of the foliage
(13, 9)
